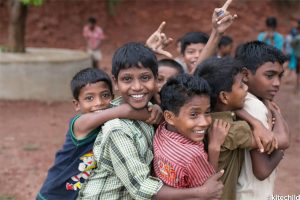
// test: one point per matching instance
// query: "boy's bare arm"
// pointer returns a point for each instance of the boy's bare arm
(220, 23)
(263, 164)
(264, 139)
(90, 121)
(211, 189)
(280, 129)
(217, 134)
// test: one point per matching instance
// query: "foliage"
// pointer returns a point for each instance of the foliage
(111, 6)
(32, 2)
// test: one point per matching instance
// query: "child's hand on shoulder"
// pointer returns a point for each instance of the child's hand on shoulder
(156, 114)
(218, 132)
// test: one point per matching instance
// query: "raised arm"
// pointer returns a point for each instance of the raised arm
(221, 21)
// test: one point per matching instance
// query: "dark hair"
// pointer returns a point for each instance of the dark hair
(255, 53)
(271, 22)
(193, 38)
(225, 40)
(171, 63)
(179, 90)
(220, 74)
(134, 55)
(88, 76)
(92, 20)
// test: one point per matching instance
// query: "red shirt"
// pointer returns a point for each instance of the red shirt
(178, 161)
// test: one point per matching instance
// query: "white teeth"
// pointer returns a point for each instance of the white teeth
(97, 111)
(200, 132)
(137, 96)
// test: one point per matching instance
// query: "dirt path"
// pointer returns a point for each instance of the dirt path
(31, 132)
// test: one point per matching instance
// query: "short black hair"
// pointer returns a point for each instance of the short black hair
(225, 40)
(193, 38)
(88, 76)
(255, 53)
(271, 22)
(180, 89)
(171, 63)
(92, 20)
(220, 74)
(134, 54)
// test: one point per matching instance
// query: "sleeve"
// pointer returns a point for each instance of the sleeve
(279, 42)
(199, 170)
(130, 169)
(257, 109)
(260, 37)
(239, 136)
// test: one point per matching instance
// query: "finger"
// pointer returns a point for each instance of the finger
(272, 147)
(227, 18)
(259, 144)
(161, 27)
(268, 147)
(226, 5)
(165, 53)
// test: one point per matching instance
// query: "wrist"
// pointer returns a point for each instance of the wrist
(214, 147)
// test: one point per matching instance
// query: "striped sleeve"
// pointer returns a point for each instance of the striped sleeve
(130, 169)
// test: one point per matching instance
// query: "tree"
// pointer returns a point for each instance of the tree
(17, 24)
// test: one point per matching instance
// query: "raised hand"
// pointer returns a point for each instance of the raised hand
(158, 41)
(222, 19)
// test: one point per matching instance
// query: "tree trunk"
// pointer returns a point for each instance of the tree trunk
(17, 26)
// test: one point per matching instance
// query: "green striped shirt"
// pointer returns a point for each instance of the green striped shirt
(123, 151)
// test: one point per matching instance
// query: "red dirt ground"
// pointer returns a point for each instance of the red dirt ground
(31, 131)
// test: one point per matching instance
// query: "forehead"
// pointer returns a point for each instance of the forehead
(195, 46)
(167, 70)
(97, 87)
(270, 67)
(197, 102)
(135, 71)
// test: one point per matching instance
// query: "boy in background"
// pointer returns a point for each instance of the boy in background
(225, 47)
(123, 149)
(93, 35)
(180, 160)
(263, 72)
(92, 92)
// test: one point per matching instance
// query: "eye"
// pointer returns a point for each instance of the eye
(89, 98)
(193, 114)
(126, 79)
(106, 95)
(145, 77)
(160, 79)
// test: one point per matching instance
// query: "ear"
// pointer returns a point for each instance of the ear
(115, 82)
(76, 105)
(169, 117)
(246, 74)
(223, 97)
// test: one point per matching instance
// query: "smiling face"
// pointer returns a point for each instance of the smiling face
(193, 119)
(136, 86)
(266, 81)
(93, 98)
(191, 55)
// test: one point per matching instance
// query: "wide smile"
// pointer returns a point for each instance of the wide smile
(199, 132)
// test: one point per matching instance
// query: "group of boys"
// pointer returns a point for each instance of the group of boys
(113, 152)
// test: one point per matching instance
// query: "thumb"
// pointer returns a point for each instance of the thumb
(218, 175)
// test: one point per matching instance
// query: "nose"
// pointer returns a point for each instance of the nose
(99, 102)
(276, 82)
(136, 85)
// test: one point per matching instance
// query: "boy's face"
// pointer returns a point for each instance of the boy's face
(226, 50)
(164, 73)
(136, 86)
(191, 55)
(93, 98)
(266, 81)
(236, 98)
(193, 119)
